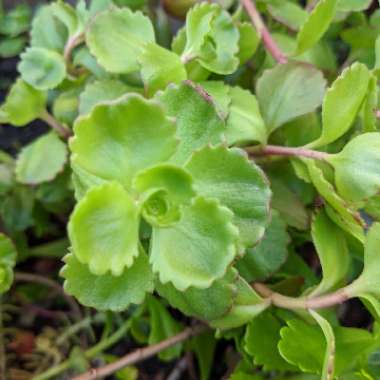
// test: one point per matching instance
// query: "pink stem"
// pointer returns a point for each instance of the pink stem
(268, 41)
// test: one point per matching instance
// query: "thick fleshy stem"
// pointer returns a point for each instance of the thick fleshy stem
(275, 150)
(317, 302)
(261, 28)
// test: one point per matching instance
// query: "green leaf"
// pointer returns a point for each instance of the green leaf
(260, 341)
(16, 21)
(350, 219)
(108, 292)
(370, 104)
(287, 13)
(7, 262)
(10, 47)
(268, 256)
(229, 176)
(351, 344)
(328, 368)
(65, 13)
(316, 25)
(206, 304)
(118, 49)
(288, 204)
(47, 31)
(288, 91)
(342, 103)
(249, 41)
(194, 129)
(65, 106)
(247, 305)
(164, 189)
(103, 229)
(211, 38)
(204, 348)
(353, 5)
(122, 137)
(163, 326)
(198, 249)
(368, 282)
(293, 336)
(42, 160)
(25, 97)
(244, 123)
(357, 167)
(331, 246)
(42, 68)
(98, 92)
(159, 68)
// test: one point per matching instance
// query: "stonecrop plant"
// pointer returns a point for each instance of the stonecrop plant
(231, 172)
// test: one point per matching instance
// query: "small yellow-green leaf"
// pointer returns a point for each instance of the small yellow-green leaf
(248, 42)
(342, 103)
(103, 229)
(42, 68)
(118, 49)
(316, 25)
(23, 97)
(41, 160)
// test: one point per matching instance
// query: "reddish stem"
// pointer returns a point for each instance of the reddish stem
(261, 28)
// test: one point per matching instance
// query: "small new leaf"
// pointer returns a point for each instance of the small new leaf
(198, 249)
(108, 292)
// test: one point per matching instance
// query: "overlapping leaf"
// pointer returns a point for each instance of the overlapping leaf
(7, 262)
(103, 230)
(118, 49)
(198, 249)
(41, 160)
(228, 175)
(357, 167)
(108, 292)
(122, 137)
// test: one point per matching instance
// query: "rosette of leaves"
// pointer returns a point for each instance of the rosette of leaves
(157, 161)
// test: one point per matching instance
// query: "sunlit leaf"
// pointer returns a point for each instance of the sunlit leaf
(7, 262)
(119, 138)
(103, 230)
(316, 25)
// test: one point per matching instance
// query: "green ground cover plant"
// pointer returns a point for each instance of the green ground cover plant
(217, 166)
